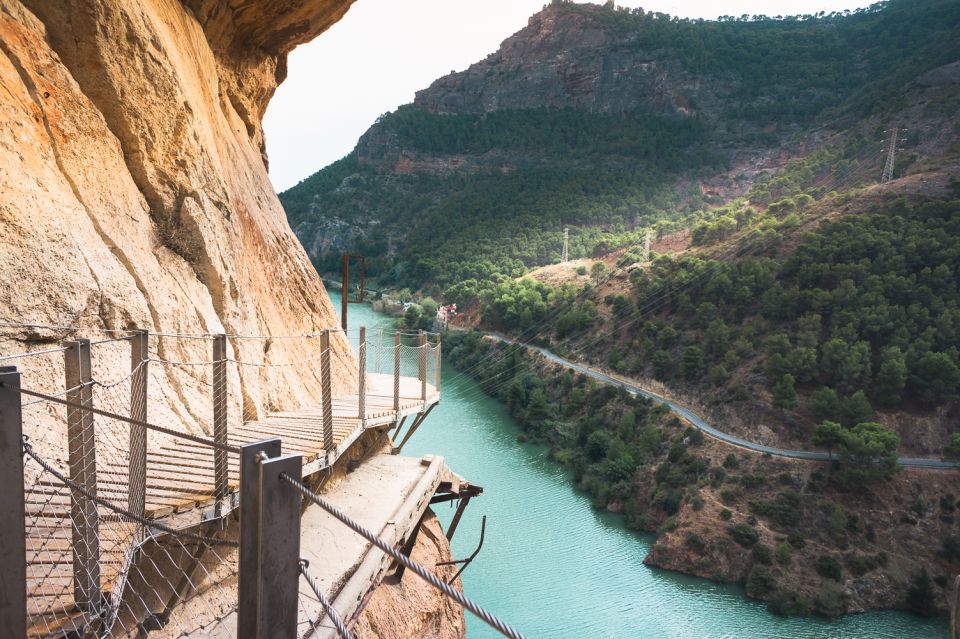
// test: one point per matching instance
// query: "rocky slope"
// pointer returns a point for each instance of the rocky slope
(428, 614)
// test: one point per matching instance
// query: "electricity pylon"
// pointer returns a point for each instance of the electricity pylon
(891, 156)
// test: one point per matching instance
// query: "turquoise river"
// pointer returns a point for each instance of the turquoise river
(555, 568)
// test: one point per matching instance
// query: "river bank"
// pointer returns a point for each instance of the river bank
(555, 567)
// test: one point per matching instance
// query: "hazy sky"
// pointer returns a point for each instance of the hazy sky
(383, 51)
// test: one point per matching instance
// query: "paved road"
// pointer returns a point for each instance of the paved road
(699, 422)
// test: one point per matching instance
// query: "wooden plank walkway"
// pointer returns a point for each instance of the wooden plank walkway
(179, 481)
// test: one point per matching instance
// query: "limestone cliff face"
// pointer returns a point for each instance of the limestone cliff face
(414, 609)
(133, 178)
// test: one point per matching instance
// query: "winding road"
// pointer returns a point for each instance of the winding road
(700, 423)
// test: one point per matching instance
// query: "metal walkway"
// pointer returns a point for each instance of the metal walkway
(106, 432)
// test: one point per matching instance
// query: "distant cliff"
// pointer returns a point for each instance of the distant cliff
(607, 120)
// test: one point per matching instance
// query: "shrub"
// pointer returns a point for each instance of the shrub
(951, 547)
(696, 543)
(796, 540)
(725, 514)
(762, 553)
(730, 462)
(783, 554)
(789, 604)
(827, 566)
(859, 564)
(728, 496)
(920, 594)
(743, 534)
(760, 582)
(831, 600)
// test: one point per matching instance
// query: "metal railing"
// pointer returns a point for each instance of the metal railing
(132, 465)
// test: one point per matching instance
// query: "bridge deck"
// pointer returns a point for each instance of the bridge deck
(180, 479)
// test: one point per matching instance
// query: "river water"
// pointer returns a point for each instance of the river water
(555, 568)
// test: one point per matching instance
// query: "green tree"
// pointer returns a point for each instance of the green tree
(412, 316)
(716, 337)
(803, 364)
(597, 271)
(784, 393)
(691, 363)
(891, 377)
(868, 451)
(825, 404)
(662, 365)
(718, 375)
(952, 450)
(856, 409)
(921, 596)
(828, 435)
(935, 377)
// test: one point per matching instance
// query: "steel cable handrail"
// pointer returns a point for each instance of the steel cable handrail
(327, 605)
(136, 422)
(420, 571)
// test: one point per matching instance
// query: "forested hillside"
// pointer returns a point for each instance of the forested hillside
(611, 121)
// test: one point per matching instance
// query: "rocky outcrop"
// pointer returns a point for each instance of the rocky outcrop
(413, 608)
(568, 57)
(133, 178)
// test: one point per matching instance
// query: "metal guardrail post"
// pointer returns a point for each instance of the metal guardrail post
(438, 366)
(220, 461)
(423, 366)
(137, 479)
(280, 506)
(396, 372)
(327, 392)
(269, 545)
(362, 381)
(13, 550)
(82, 459)
(249, 556)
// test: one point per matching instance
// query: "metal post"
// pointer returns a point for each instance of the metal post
(13, 550)
(396, 371)
(423, 366)
(137, 479)
(220, 462)
(438, 366)
(81, 442)
(380, 349)
(362, 383)
(279, 548)
(462, 506)
(344, 290)
(327, 394)
(249, 560)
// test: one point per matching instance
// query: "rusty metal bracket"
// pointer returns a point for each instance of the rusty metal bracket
(466, 562)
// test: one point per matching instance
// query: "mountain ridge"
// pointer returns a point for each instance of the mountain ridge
(615, 119)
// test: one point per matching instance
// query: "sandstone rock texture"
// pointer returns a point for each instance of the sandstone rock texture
(134, 188)
(427, 614)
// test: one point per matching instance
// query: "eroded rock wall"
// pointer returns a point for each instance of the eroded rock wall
(413, 609)
(133, 178)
